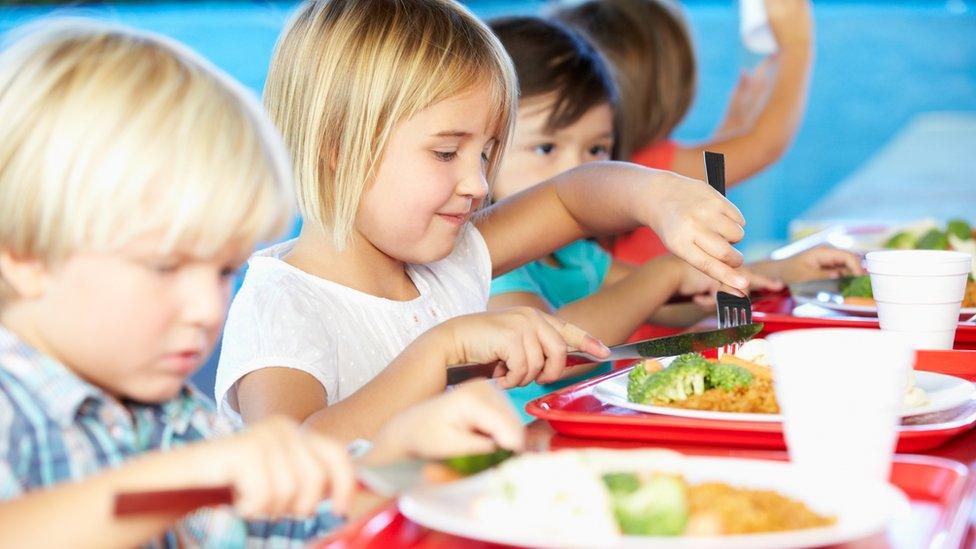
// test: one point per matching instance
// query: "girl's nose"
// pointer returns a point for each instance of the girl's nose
(474, 186)
(571, 159)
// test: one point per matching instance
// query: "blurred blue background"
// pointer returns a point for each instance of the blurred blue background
(878, 64)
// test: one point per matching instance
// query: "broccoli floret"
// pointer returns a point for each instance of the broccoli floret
(858, 286)
(933, 240)
(728, 376)
(635, 381)
(621, 484)
(659, 507)
(903, 240)
(476, 463)
(960, 229)
(683, 378)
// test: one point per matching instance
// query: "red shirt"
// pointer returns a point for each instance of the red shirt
(643, 244)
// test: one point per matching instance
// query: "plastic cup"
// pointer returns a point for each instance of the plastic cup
(840, 392)
(919, 293)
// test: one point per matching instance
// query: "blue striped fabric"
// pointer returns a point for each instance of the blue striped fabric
(56, 427)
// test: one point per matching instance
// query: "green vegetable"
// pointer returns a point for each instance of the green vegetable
(635, 381)
(857, 286)
(659, 507)
(470, 465)
(903, 240)
(683, 378)
(621, 484)
(728, 376)
(960, 229)
(933, 240)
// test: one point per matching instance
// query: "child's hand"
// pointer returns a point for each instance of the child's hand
(697, 224)
(791, 22)
(277, 469)
(474, 418)
(748, 98)
(531, 344)
(703, 289)
(818, 263)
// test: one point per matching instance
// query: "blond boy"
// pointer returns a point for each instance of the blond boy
(134, 180)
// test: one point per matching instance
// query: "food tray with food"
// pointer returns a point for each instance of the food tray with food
(781, 312)
(735, 388)
(939, 491)
(577, 411)
(853, 295)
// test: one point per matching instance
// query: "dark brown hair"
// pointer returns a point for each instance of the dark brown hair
(551, 58)
(651, 54)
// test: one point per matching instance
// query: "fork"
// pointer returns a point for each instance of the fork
(731, 310)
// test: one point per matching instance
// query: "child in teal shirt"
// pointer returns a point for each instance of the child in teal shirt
(567, 117)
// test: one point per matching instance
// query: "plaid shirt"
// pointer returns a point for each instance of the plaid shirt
(56, 427)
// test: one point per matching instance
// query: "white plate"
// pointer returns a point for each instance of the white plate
(826, 294)
(944, 392)
(860, 513)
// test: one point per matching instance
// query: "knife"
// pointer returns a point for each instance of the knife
(680, 344)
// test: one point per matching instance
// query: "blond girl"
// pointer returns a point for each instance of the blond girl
(397, 115)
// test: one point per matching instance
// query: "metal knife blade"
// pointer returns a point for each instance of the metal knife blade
(649, 348)
(392, 479)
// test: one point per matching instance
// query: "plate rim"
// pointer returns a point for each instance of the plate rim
(604, 396)
(412, 508)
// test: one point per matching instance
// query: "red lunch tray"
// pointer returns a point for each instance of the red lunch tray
(941, 493)
(575, 411)
(776, 311)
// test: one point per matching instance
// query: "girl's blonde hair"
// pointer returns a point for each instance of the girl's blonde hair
(107, 133)
(345, 73)
(649, 46)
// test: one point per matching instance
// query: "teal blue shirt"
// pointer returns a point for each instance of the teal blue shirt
(583, 266)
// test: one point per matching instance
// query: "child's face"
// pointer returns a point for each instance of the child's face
(430, 179)
(538, 154)
(133, 322)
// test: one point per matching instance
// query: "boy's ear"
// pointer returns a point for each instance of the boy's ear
(25, 276)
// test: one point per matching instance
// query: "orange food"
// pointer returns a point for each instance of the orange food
(717, 508)
(859, 301)
(758, 370)
(756, 398)
(438, 473)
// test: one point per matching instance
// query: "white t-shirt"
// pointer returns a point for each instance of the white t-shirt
(283, 316)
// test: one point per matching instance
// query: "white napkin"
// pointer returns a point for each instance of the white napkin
(754, 28)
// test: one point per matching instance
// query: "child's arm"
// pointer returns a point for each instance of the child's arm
(531, 344)
(769, 135)
(474, 418)
(600, 198)
(624, 302)
(275, 468)
(814, 264)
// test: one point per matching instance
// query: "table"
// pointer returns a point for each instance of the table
(928, 170)
(386, 527)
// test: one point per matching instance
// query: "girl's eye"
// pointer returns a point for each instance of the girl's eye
(228, 272)
(445, 156)
(484, 157)
(600, 150)
(545, 149)
(164, 267)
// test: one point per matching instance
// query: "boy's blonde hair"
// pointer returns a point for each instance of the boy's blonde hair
(650, 48)
(107, 133)
(346, 72)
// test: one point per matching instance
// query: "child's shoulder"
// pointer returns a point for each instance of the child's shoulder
(271, 281)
